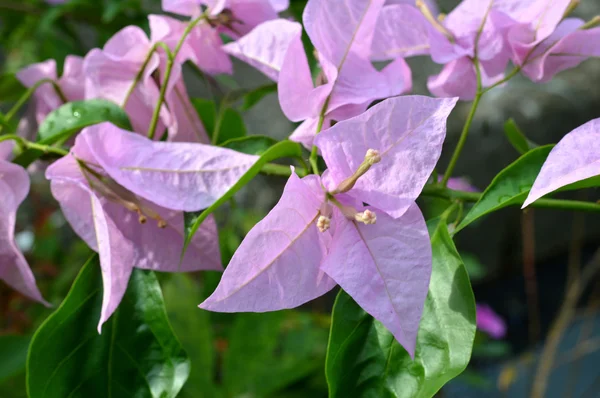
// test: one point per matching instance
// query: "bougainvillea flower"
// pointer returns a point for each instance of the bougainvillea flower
(459, 184)
(575, 158)
(265, 46)
(350, 81)
(490, 322)
(320, 234)
(235, 17)
(14, 187)
(46, 98)
(111, 72)
(124, 195)
(203, 46)
(570, 44)
(485, 29)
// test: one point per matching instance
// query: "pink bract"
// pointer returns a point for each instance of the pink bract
(575, 158)
(124, 195)
(310, 242)
(14, 187)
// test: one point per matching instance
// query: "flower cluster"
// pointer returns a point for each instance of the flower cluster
(356, 224)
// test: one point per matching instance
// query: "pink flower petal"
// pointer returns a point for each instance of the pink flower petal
(187, 127)
(489, 322)
(202, 47)
(575, 158)
(407, 131)
(298, 97)
(265, 46)
(401, 31)
(277, 264)
(182, 7)
(566, 48)
(46, 98)
(337, 28)
(14, 270)
(177, 176)
(6, 149)
(386, 268)
(84, 211)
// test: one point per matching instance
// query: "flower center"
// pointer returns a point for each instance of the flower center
(111, 190)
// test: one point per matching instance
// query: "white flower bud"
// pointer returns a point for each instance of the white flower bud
(323, 223)
(367, 217)
(372, 156)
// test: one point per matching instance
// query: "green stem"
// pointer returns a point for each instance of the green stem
(222, 108)
(25, 144)
(171, 57)
(140, 74)
(512, 74)
(280, 170)
(466, 128)
(313, 160)
(25, 97)
(576, 205)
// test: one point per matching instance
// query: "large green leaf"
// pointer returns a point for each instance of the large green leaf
(364, 359)
(137, 354)
(71, 117)
(282, 149)
(192, 326)
(268, 352)
(13, 353)
(510, 186)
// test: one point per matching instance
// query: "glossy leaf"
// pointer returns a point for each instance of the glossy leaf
(510, 186)
(137, 353)
(11, 88)
(251, 145)
(63, 122)
(363, 358)
(13, 354)
(517, 138)
(282, 149)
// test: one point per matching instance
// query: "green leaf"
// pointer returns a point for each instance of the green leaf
(13, 355)
(364, 359)
(517, 138)
(252, 145)
(137, 354)
(253, 96)
(282, 149)
(207, 111)
(510, 186)
(270, 351)
(231, 122)
(11, 88)
(193, 327)
(71, 117)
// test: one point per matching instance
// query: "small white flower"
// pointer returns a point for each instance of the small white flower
(323, 223)
(367, 217)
